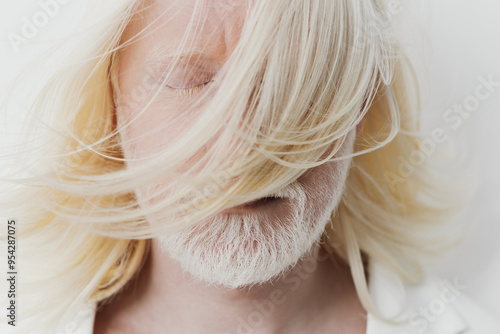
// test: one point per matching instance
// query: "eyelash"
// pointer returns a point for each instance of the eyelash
(188, 92)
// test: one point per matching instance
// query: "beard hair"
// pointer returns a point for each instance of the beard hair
(237, 250)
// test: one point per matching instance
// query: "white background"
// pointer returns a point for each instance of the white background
(452, 43)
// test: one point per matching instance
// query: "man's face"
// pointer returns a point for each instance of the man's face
(239, 246)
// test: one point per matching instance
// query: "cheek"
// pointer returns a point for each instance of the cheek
(147, 121)
(325, 184)
(145, 136)
(149, 133)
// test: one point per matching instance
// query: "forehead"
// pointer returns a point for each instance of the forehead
(160, 27)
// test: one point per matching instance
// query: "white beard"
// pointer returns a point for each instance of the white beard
(243, 249)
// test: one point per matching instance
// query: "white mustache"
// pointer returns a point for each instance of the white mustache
(293, 191)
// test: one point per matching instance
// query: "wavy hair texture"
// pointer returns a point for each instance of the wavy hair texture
(302, 76)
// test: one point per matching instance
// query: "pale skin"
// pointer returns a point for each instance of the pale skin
(316, 296)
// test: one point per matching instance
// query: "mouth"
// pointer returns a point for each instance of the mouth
(263, 203)
(263, 200)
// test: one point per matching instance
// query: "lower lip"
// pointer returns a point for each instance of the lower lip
(262, 204)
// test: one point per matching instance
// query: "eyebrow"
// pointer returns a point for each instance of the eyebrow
(160, 53)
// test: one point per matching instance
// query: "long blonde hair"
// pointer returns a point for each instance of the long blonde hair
(302, 76)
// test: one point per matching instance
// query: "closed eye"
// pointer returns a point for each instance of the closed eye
(185, 74)
(187, 81)
(190, 90)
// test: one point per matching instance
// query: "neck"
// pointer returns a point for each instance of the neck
(163, 297)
